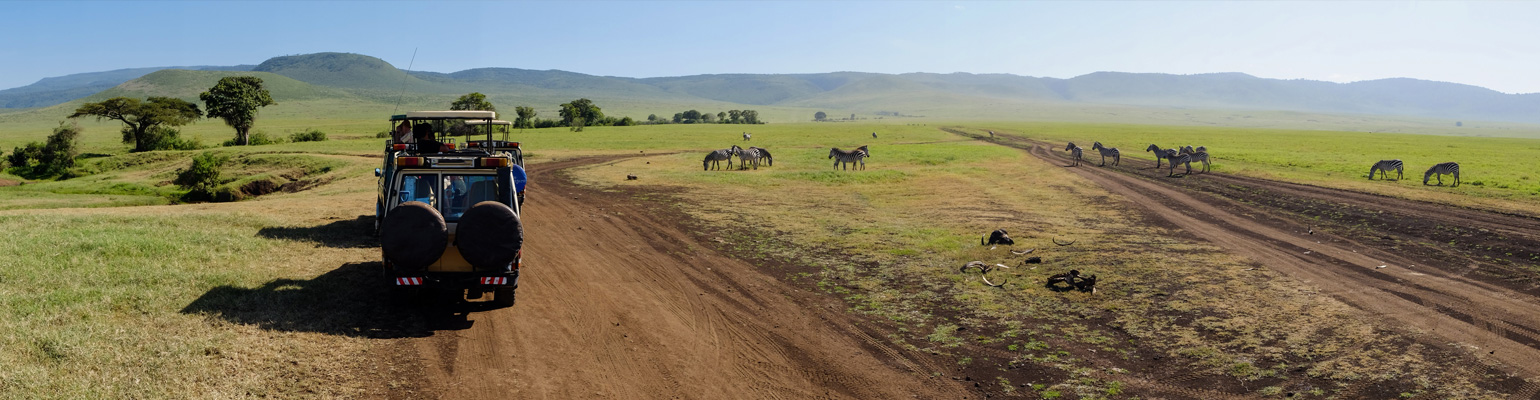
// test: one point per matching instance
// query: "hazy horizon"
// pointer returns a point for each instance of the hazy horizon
(1475, 43)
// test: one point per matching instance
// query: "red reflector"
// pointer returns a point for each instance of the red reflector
(513, 144)
(490, 280)
(398, 146)
(494, 162)
(409, 161)
(473, 144)
(409, 281)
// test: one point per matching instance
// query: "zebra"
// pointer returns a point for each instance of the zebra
(1385, 166)
(874, 135)
(1451, 168)
(765, 155)
(1200, 156)
(1174, 157)
(1159, 153)
(991, 133)
(1074, 153)
(746, 156)
(1107, 151)
(715, 157)
(842, 157)
(745, 136)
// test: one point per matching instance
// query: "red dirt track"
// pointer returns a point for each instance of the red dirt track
(1458, 292)
(619, 301)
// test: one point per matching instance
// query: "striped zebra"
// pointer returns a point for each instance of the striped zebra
(1174, 157)
(745, 136)
(843, 157)
(1201, 156)
(1451, 168)
(1107, 151)
(764, 155)
(1159, 153)
(1074, 153)
(746, 157)
(715, 157)
(1385, 166)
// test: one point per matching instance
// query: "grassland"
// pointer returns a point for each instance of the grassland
(248, 287)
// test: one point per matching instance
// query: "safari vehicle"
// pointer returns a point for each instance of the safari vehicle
(450, 220)
(513, 149)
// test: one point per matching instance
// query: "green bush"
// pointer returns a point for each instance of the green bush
(313, 135)
(166, 138)
(258, 138)
(48, 159)
(202, 176)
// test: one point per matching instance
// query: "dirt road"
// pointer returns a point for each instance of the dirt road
(616, 301)
(1385, 256)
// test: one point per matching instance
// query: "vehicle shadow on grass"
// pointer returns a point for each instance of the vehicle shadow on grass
(352, 300)
(347, 233)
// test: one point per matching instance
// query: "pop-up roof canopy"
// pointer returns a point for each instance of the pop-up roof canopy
(432, 115)
(485, 122)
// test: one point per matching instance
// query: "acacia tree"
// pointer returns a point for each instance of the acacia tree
(526, 117)
(473, 101)
(140, 118)
(819, 116)
(236, 99)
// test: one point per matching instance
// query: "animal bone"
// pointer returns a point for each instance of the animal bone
(992, 284)
(1056, 241)
(975, 264)
(1022, 252)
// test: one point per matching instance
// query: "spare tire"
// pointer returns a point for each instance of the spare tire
(413, 236)
(489, 236)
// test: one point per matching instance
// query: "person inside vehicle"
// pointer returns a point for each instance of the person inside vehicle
(403, 133)
(425, 142)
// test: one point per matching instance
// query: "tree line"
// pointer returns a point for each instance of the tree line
(697, 117)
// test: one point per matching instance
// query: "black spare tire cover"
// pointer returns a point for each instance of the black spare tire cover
(489, 235)
(413, 236)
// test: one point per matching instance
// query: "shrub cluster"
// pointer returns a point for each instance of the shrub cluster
(51, 158)
(202, 176)
(313, 135)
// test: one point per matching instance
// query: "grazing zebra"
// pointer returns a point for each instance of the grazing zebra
(1385, 166)
(1107, 151)
(764, 155)
(1441, 169)
(842, 157)
(715, 157)
(874, 135)
(1174, 157)
(1159, 153)
(746, 156)
(991, 133)
(1074, 153)
(745, 136)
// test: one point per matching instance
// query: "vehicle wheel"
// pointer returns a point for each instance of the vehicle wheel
(503, 296)
(489, 236)
(413, 236)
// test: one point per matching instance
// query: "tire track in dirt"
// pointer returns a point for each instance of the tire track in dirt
(1337, 266)
(618, 301)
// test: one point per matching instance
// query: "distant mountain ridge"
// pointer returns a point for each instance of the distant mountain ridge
(370, 77)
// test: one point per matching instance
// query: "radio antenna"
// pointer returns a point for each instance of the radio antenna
(403, 80)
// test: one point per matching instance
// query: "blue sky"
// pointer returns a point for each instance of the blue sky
(1489, 44)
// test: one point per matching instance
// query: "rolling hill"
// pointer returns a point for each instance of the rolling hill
(364, 78)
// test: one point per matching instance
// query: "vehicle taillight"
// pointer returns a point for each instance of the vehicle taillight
(495, 162)
(409, 161)
(398, 146)
(513, 144)
(473, 144)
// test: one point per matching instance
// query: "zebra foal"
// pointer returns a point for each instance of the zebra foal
(1450, 168)
(1385, 166)
(1107, 151)
(1074, 153)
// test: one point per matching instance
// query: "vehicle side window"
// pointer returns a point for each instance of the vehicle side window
(464, 191)
(420, 188)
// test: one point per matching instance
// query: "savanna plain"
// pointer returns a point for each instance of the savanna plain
(112, 287)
